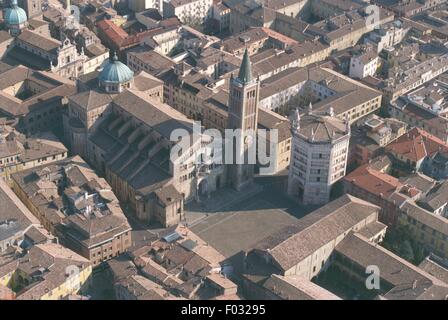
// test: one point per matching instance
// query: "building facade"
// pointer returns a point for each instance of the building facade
(118, 122)
(19, 153)
(364, 65)
(319, 156)
(77, 206)
(191, 12)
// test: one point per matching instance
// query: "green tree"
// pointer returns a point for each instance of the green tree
(419, 253)
(405, 251)
(399, 241)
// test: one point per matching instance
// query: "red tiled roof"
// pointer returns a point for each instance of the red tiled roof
(280, 37)
(136, 38)
(170, 22)
(416, 145)
(373, 181)
(120, 38)
(412, 192)
(113, 32)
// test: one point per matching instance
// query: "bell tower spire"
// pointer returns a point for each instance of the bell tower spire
(245, 73)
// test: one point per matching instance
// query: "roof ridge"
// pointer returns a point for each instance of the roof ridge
(330, 135)
(324, 217)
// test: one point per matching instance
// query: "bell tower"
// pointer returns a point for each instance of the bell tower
(243, 115)
(33, 8)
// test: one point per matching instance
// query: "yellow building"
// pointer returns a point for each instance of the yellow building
(18, 153)
(341, 95)
(427, 228)
(47, 272)
(280, 153)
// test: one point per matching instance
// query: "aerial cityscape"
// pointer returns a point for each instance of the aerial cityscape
(229, 150)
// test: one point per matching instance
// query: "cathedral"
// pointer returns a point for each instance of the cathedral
(118, 122)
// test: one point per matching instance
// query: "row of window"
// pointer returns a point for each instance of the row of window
(9, 159)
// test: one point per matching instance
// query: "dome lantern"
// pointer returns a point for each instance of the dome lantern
(115, 76)
(15, 18)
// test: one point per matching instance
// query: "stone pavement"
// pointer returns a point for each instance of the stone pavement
(218, 202)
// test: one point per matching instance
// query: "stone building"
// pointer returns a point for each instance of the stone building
(364, 64)
(17, 152)
(69, 62)
(418, 196)
(349, 99)
(344, 30)
(246, 14)
(388, 35)
(243, 115)
(18, 226)
(415, 151)
(47, 271)
(177, 264)
(34, 100)
(188, 11)
(418, 109)
(305, 248)
(319, 156)
(202, 98)
(255, 40)
(220, 20)
(77, 206)
(280, 150)
(142, 5)
(96, 91)
(378, 188)
(150, 61)
(428, 229)
(370, 137)
(118, 122)
(325, 87)
(355, 254)
(33, 46)
(407, 77)
(278, 90)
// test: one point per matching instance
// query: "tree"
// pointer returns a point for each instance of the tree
(399, 241)
(419, 253)
(405, 251)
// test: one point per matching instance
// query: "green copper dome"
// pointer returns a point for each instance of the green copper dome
(115, 71)
(245, 73)
(15, 15)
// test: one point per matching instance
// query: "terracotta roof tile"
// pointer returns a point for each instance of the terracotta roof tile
(416, 145)
(373, 181)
